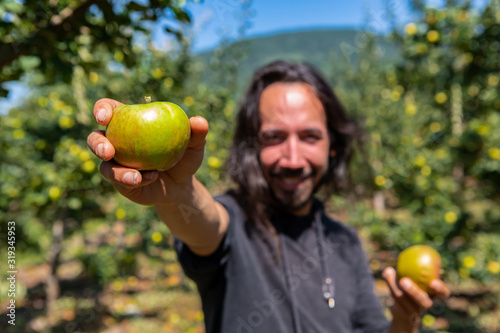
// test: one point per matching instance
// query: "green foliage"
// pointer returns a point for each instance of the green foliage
(54, 36)
(33, 143)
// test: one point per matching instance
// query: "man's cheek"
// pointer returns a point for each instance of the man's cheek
(265, 158)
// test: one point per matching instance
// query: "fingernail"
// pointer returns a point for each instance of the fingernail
(434, 284)
(387, 273)
(130, 178)
(153, 174)
(405, 283)
(101, 148)
(101, 115)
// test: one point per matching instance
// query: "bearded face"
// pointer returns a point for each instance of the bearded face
(295, 144)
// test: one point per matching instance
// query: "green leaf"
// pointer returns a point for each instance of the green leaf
(13, 7)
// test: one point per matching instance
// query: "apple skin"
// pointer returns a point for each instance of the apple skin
(420, 263)
(150, 136)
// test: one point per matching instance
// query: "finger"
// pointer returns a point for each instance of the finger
(199, 130)
(127, 177)
(389, 274)
(103, 110)
(100, 145)
(419, 296)
(148, 177)
(439, 289)
(399, 295)
(193, 156)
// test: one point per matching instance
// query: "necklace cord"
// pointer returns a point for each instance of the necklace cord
(327, 283)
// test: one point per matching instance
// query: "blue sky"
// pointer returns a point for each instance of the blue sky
(213, 19)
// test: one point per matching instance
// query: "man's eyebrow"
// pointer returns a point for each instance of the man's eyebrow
(279, 130)
(312, 130)
(270, 132)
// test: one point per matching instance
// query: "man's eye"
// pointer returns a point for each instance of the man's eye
(311, 138)
(271, 139)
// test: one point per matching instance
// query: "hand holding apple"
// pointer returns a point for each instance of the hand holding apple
(414, 286)
(146, 187)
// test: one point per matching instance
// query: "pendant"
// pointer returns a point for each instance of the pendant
(328, 291)
(331, 303)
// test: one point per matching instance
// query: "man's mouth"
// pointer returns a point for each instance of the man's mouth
(292, 180)
(291, 183)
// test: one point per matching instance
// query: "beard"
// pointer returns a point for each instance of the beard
(291, 200)
(297, 199)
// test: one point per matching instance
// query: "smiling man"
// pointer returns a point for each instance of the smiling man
(265, 256)
(295, 144)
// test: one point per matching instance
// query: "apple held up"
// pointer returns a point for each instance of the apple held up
(151, 136)
(420, 263)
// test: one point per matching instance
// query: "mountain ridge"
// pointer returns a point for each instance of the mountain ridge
(325, 49)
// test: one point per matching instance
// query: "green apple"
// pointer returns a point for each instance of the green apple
(421, 263)
(150, 136)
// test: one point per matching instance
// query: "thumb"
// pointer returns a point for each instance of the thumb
(199, 131)
(193, 157)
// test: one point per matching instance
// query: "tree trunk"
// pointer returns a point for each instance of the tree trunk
(52, 288)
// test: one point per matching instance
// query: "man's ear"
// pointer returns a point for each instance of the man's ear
(332, 153)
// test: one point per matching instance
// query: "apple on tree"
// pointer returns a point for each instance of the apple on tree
(151, 136)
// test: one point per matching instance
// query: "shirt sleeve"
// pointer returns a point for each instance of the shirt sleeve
(204, 269)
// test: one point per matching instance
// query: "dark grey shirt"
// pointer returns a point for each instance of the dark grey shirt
(243, 287)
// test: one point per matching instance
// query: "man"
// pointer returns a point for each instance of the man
(264, 256)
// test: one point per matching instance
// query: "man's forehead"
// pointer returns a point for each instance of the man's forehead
(290, 102)
(295, 96)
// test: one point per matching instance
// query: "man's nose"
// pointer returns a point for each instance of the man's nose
(292, 155)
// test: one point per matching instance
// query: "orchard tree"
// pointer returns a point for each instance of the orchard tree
(449, 82)
(55, 36)
(48, 176)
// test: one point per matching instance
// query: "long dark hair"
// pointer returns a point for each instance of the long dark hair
(243, 165)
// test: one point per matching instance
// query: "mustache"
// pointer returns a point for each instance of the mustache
(284, 172)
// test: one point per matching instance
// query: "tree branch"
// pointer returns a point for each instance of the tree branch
(69, 15)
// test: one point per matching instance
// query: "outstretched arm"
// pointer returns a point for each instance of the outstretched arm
(181, 201)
